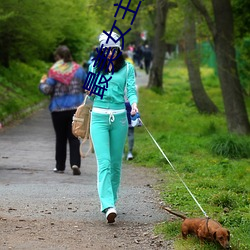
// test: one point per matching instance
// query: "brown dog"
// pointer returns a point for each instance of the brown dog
(204, 228)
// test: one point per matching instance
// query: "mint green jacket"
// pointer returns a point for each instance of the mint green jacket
(121, 82)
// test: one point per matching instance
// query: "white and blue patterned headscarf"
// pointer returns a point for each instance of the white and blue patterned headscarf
(103, 40)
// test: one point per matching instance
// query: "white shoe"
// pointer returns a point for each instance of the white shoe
(130, 156)
(111, 214)
(58, 171)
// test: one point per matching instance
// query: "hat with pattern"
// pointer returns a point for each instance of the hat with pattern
(111, 40)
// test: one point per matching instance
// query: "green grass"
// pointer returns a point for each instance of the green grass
(214, 164)
(19, 87)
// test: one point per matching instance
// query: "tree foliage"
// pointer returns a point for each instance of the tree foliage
(241, 18)
(105, 12)
(32, 32)
(242, 34)
(175, 24)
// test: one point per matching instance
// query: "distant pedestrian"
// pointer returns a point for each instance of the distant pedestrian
(128, 109)
(147, 54)
(130, 133)
(64, 85)
(139, 56)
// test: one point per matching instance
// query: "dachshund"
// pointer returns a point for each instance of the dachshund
(204, 229)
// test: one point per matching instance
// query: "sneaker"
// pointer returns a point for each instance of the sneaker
(130, 156)
(76, 170)
(58, 171)
(111, 214)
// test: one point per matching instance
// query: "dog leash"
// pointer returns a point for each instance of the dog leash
(174, 170)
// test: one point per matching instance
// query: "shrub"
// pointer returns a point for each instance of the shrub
(224, 200)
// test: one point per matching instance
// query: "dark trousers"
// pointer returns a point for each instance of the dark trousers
(131, 139)
(130, 129)
(147, 65)
(62, 122)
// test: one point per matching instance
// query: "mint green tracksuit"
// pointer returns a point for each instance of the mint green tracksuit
(109, 132)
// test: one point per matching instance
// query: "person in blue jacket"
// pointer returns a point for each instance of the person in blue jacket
(64, 84)
(109, 123)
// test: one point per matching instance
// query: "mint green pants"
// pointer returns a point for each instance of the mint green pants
(108, 136)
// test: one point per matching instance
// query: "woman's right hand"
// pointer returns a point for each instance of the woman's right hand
(134, 109)
(43, 79)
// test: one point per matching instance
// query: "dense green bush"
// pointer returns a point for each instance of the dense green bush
(19, 87)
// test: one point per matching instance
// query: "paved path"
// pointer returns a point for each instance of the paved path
(31, 191)
(141, 78)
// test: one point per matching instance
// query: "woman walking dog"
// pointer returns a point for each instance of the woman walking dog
(109, 123)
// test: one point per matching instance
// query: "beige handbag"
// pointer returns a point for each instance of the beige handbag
(81, 126)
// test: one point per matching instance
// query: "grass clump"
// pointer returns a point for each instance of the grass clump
(190, 140)
(225, 200)
(231, 146)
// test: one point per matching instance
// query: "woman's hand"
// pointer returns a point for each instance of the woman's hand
(43, 79)
(134, 109)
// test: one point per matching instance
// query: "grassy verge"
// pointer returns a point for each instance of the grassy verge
(212, 163)
(19, 88)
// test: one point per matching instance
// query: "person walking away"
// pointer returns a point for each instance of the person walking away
(130, 133)
(109, 123)
(139, 53)
(64, 85)
(128, 109)
(147, 58)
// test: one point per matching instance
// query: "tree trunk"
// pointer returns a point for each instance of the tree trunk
(235, 109)
(201, 99)
(159, 48)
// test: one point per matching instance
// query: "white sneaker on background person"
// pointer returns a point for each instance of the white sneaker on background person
(130, 156)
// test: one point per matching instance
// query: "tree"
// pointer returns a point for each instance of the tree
(159, 47)
(106, 10)
(28, 33)
(25, 31)
(223, 38)
(201, 99)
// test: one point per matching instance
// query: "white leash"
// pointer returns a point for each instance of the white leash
(174, 170)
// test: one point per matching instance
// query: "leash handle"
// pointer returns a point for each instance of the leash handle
(174, 170)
